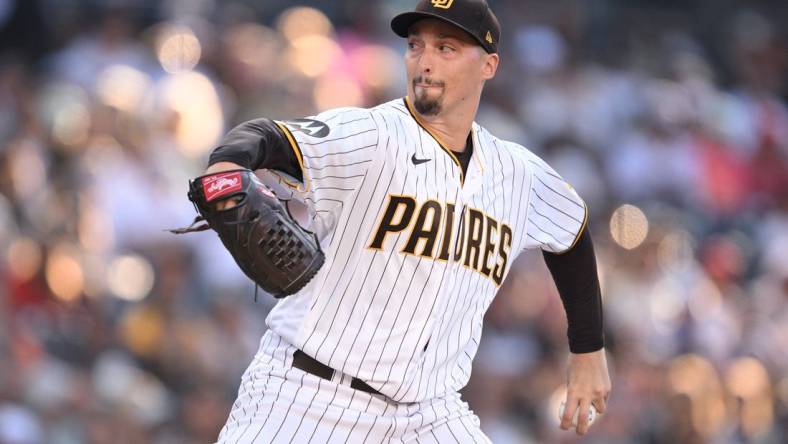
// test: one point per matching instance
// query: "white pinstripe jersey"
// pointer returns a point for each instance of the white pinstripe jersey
(415, 249)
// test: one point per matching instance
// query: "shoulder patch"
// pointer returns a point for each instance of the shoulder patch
(310, 127)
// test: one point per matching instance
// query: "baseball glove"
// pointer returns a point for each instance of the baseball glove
(265, 241)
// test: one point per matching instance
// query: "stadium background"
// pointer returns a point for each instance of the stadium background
(669, 117)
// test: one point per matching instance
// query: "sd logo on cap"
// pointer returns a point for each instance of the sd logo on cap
(472, 16)
(445, 4)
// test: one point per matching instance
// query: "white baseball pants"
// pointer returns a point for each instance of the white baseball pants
(278, 403)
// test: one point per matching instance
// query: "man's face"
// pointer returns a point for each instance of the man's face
(445, 66)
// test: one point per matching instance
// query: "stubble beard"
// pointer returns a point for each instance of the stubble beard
(427, 106)
(424, 104)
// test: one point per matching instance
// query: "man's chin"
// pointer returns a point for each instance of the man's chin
(427, 106)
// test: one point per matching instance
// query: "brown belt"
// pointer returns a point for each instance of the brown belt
(310, 365)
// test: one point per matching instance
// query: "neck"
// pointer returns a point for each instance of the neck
(451, 126)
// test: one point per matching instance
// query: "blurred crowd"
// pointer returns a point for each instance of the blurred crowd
(669, 118)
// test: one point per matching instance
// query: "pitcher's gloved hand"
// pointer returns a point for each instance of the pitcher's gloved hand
(265, 241)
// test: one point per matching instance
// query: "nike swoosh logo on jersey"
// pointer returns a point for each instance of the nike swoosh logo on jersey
(418, 161)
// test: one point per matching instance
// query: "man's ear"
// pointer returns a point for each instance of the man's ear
(490, 66)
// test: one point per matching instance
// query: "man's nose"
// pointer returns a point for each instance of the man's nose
(426, 61)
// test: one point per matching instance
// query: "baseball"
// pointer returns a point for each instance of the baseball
(591, 414)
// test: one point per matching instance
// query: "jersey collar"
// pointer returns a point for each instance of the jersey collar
(445, 148)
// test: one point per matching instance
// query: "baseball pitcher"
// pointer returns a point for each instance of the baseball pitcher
(416, 216)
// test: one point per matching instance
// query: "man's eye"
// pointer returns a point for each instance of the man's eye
(445, 48)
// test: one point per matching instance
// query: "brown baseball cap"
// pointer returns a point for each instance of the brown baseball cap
(472, 16)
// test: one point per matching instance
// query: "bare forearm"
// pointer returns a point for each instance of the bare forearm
(218, 167)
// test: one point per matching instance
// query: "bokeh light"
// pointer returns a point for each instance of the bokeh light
(377, 65)
(195, 100)
(130, 277)
(178, 49)
(337, 91)
(628, 226)
(71, 125)
(312, 55)
(122, 87)
(255, 46)
(24, 257)
(64, 274)
(302, 21)
(693, 376)
(748, 380)
(64, 107)
(28, 171)
(141, 329)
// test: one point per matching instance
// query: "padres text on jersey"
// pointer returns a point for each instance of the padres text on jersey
(415, 249)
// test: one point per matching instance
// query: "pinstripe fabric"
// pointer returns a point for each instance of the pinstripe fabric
(415, 253)
(409, 324)
(280, 404)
